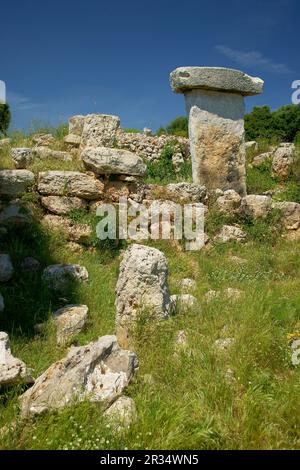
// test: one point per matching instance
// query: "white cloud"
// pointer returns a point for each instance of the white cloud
(253, 59)
(21, 102)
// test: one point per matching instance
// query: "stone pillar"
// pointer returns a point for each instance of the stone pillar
(215, 107)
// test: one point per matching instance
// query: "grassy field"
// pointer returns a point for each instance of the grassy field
(189, 397)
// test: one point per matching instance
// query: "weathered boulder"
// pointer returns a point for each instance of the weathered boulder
(256, 206)
(70, 320)
(74, 231)
(60, 276)
(251, 145)
(22, 156)
(231, 233)
(215, 105)
(262, 158)
(41, 140)
(76, 124)
(15, 182)
(70, 183)
(184, 302)
(142, 285)
(12, 370)
(45, 153)
(73, 140)
(229, 203)
(187, 192)
(107, 161)
(187, 284)
(2, 305)
(62, 204)
(98, 372)
(99, 130)
(14, 215)
(290, 214)
(283, 160)
(121, 414)
(6, 268)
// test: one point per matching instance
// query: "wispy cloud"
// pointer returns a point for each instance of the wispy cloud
(21, 102)
(253, 59)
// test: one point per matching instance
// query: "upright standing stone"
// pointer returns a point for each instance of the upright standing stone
(215, 106)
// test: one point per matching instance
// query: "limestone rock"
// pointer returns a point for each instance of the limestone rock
(290, 214)
(60, 276)
(187, 284)
(251, 145)
(256, 206)
(229, 202)
(14, 215)
(22, 156)
(233, 294)
(1, 304)
(41, 140)
(187, 192)
(223, 344)
(70, 183)
(283, 159)
(142, 284)
(73, 140)
(12, 370)
(230, 233)
(6, 268)
(15, 182)
(98, 372)
(121, 414)
(99, 130)
(184, 302)
(74, 231)
(107, 161)
(45, 153)
(62, 204)
(262, 158)
(70, 320)
(76, 124)
(216, 79)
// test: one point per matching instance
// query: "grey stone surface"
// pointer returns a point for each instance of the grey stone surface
(76, 124)
(106, 161)
(70, 320)
(216, 79)
(14, 214)
(74, 231)
(60, 276)
(142, 285)
(231, 233)
(12, 370)
(61, 205)
(15, 182)
(229, 202)
(256, 206)
(98, 372)
(70, 183)
(121, 414)
(22, 156)
(99, 130)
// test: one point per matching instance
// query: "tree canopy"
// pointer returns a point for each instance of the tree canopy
(5, 117)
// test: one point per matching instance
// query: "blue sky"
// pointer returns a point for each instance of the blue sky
(72, 57)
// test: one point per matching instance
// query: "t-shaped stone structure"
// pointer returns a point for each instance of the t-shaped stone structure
(215, 105)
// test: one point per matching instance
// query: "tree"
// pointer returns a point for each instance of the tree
(5, 117)
(179, 127)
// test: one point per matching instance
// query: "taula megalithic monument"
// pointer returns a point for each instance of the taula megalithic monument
(215, 106)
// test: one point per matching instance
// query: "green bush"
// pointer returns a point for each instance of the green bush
(5, 118)
(179, 127)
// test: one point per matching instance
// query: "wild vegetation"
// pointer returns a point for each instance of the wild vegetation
(188, 397)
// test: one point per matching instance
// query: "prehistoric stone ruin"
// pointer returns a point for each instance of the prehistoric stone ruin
(215, 106)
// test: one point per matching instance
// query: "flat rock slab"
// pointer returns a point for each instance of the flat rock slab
(62, 205)
(70, 320)
(222, 79)
(60, 276)
(15, 182)
(98, 372)
(12, 370)
(99, 130)
(107, 161)
(70, 183)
